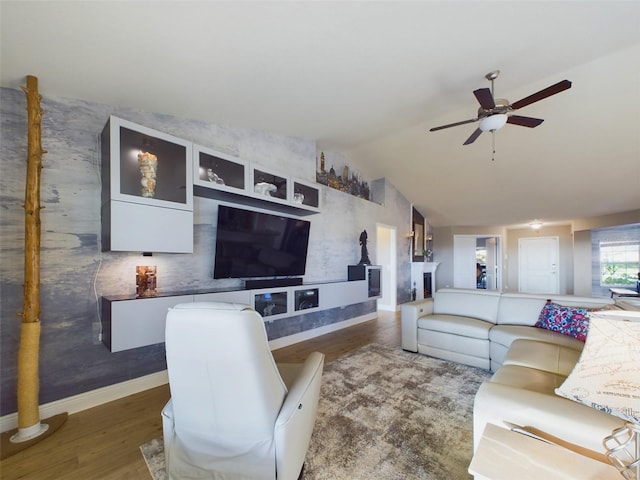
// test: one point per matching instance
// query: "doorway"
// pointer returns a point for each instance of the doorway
(386, 258)
(476, 262)
(538, 265)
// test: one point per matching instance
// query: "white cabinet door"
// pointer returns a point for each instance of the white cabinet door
(144, 228)
(464, 261)
(140, 322)
(235, 296)
(492, 263)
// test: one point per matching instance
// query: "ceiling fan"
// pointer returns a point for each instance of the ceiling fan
(494, 113)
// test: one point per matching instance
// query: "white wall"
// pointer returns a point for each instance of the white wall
(575, 250)
(443, 249)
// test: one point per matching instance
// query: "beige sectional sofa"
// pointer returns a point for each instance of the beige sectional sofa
(496, 331)
(477, 327)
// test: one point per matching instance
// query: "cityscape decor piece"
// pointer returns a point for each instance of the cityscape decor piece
(348, 182)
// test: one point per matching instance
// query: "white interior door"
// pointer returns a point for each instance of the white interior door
(538, 265)
(464, 261)
(386, 258)
(492, 263)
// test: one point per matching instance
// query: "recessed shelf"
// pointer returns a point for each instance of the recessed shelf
(271, 304)
(305, 194)
(270, 184)
(221, 176)
(249, 200)
(306, 299)
(221, 171)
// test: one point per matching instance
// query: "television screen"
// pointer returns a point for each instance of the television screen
(254, 244)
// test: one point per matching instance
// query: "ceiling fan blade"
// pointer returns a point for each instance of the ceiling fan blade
(524, 121)
(473, 137)
(453, 124)
(542, 94)
(485, 98)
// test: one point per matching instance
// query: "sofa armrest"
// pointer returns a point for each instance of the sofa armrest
(409, 315)
(574, 423)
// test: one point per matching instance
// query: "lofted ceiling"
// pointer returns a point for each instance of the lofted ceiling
(368, 80)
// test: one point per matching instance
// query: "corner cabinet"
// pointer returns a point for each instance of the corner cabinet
(372, 274)
(147, 189)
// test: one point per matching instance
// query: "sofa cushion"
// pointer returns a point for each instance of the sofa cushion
(457, 325)
(574, 423)
(530, 379)
(506, 334)
(476, 347)
(628, 303)
(524, 309)
(570, 321)
(472, 360)
(482, 304)
(542, 356)
(502, 336)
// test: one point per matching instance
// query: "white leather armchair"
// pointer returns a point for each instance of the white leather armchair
(233, 414)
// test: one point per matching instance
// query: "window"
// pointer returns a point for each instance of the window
(619, 263)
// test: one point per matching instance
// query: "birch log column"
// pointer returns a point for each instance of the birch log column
(29, 425)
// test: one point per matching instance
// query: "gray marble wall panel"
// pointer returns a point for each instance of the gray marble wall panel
(75, 273)
(306, 321)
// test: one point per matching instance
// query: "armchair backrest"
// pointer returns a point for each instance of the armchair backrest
(225, 386)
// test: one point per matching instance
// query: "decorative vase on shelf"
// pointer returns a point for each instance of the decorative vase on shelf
(146, 281)
(148, 166)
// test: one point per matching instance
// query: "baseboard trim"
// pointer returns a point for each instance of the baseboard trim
(316, 332)
(93, 398)
(389, 308)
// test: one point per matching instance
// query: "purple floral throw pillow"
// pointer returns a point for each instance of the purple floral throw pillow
(571, 321)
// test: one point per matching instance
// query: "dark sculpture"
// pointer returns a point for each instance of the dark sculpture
(364, 256)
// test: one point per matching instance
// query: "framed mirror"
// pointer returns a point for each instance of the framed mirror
(418, 242)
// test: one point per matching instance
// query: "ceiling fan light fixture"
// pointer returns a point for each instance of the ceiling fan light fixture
(536, 225)
(493, 122)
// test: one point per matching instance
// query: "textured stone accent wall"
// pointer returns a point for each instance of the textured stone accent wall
(75, 273)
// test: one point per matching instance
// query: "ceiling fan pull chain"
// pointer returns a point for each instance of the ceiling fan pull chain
(493, 140)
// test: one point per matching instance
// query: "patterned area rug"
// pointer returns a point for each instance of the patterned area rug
(385, 414)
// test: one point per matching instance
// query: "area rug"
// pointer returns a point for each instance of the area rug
(385, 414)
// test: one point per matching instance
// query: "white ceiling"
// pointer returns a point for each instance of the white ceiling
(368, 79)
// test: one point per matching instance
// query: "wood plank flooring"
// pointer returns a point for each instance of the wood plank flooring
(103, 442)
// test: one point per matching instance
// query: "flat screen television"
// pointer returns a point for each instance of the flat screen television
(258, 245)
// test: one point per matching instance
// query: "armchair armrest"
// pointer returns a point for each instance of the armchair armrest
(168, 428)
(298, 415)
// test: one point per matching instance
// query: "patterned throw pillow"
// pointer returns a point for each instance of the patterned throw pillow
(571, 321)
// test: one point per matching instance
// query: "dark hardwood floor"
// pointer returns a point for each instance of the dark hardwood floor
(103, 442)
